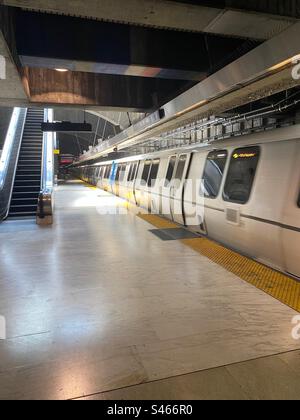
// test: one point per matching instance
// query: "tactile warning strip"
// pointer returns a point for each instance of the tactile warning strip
(281, 287)
(86, 184)
(158, 221)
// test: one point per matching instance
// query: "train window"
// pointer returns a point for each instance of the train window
(213, 173)
(241, 175)
(146, 171)
(118, 173)
(107, 172)
(180, 167)
(134, 172)
(170, 171)
(122, 172)
(130, 173)
(153, 173)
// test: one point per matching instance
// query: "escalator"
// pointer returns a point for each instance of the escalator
(27, 167)
(27, 184)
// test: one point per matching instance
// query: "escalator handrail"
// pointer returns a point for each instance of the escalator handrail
(9, 158)
(45, 202)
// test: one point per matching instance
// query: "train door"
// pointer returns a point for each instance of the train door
(116, 189)
(107, 177)
(138, 183)
(177, 187)
(144, 189)
(122, 181)
(291, 241)
(154, 187)
(166, 187)
(99, 169)
(133, 180)
(112, 176)
(193, 199)
(100, 178)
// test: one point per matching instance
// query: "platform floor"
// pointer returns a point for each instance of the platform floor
(98, 307)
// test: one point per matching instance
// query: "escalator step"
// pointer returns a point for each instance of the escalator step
(29, 162)
(25, 178)
(28, 169)
(23, 214)
(17, 203)
(23, 207)
(25, 195)
(28, 182)
(26, 191)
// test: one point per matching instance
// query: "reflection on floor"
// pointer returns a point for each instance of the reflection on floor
(98, 306)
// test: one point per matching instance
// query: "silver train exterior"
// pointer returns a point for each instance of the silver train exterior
(248, 198)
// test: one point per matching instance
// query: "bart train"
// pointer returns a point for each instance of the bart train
(248, 198)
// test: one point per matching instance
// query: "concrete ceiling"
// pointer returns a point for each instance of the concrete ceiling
(218, 17)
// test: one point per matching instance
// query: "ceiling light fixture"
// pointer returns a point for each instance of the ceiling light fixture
(62, 70)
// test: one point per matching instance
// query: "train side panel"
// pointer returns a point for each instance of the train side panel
(291, 217)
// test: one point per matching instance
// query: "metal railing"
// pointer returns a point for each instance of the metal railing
(46, 196)
(9, 158)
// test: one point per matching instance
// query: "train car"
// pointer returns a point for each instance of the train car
(243, 192)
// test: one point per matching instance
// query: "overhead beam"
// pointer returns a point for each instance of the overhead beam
(114, 92)
(166, 14)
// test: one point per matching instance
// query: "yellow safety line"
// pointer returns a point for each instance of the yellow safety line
(279, 286)
(157, 221)
(86, 184)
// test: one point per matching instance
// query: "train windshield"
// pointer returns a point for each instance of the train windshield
(241, 174)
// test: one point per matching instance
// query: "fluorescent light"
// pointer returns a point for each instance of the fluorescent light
(62, 70)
